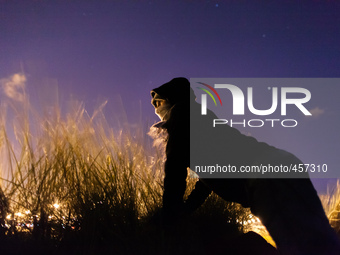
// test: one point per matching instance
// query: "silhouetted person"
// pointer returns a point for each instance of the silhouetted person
(289, 208)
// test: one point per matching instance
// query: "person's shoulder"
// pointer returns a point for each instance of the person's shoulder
(179, 116)
(180, 109)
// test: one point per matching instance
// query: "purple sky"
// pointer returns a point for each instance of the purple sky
(105, 49)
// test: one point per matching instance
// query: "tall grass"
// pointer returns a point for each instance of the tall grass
(68, 176)
(331, 204)
(72, 172)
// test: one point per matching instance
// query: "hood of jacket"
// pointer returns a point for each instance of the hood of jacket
(175, 91)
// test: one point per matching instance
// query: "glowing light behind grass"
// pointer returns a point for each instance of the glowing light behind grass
(76, 159)
(331, 204)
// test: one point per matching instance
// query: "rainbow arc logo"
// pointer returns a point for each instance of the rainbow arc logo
(209, 93)
(204, 97)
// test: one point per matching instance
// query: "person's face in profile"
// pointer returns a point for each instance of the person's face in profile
(162, 108)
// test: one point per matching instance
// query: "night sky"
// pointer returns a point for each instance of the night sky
(120, 50)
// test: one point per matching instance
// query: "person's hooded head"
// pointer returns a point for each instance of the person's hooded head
(177, 90)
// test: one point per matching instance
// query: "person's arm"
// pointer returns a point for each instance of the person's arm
(177, 161)
(197, 197)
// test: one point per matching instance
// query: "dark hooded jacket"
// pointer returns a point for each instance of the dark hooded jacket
(177, 92)
(240, 149)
